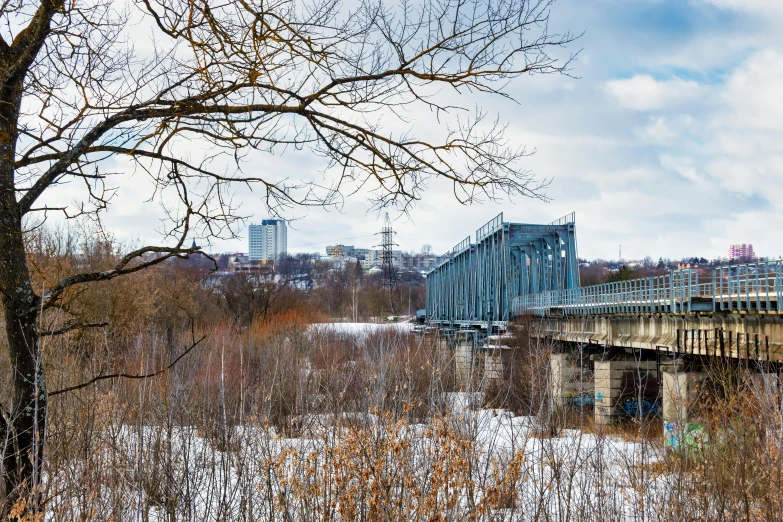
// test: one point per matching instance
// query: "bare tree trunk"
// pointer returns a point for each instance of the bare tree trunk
(24, 420)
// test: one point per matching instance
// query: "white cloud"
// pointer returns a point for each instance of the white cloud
(742, 139)
(644, 93)
(755, 91)
(761, 228)
(685, 167)
(664, 130)
(735, 176)
(658, 131)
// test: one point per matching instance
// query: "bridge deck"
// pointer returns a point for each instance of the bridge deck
(754, 303)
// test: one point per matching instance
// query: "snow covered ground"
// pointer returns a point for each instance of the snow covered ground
(362, 329)
(261, 475)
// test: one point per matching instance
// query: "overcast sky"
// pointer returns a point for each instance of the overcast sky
(668, 142)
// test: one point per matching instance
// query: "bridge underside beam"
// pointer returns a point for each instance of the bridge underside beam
(744, 336)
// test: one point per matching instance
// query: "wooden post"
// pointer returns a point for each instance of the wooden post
(766, 343)
(678, 342)
(756, 344)
(730, 340)
(716, 334)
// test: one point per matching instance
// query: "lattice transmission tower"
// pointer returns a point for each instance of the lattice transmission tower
(387, 254)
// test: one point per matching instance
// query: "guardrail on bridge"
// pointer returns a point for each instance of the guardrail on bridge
(749, 287)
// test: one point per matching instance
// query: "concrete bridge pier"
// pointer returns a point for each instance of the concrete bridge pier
(766, 383)
(619, 379)
(442, 345)
(444, 356)
(493, 366)
(571, 379)
(465, 359)
(682, 389)
(564, 380)
(464, 354)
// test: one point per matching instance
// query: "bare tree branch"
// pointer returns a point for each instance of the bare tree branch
(70, 326)
(255, 70)
(122, 375)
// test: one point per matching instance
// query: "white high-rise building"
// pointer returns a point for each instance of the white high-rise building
(269, 240)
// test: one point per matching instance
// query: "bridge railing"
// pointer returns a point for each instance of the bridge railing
(488, 228)
(751, 286)
(461, 246)
(755, 286)
(568, 218)
(652, 294)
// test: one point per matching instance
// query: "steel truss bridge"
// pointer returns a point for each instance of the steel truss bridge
(514, 269)
(478, 281)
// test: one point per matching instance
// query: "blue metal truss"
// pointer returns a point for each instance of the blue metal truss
(476, 283)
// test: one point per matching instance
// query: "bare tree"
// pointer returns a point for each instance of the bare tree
(245, 297)
(158, 82)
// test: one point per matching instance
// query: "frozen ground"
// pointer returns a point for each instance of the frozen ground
(572, 477)
(362, 328)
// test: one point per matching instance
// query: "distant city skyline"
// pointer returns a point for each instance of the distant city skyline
(734, 251)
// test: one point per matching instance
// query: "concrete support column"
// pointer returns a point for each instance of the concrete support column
(681, 391)
(565, 375)
(464, 361)
(617, 380)
(445, 357)
(442, 345)
(493, 365)
(765, 384)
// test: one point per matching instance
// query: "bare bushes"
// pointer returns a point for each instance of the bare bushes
(733, 469)
(388, 370)
(276, 420)
(389, 471)
(285, 422)
(524, 387)
(190, 439)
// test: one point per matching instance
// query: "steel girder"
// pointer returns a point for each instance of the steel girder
(477, 282)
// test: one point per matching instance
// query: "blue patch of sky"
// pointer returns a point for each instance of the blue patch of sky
(647, 28)
(713, 76)
(676, 19)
